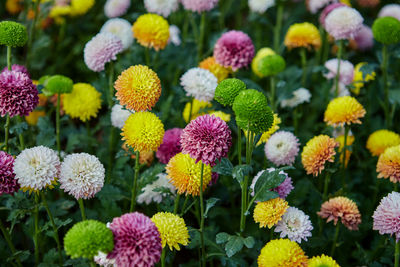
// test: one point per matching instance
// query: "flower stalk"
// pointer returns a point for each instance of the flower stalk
(135, 178)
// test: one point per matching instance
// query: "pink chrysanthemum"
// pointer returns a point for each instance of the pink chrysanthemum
(137, 241)
(283, 189)
(346, 74)
(282, 148)
(116, 8)
(8, 183)
(199, 5)
(364, 38)
(315, 5)
(103, 48)
(234, 49)
(207, 138)
(18, 95)
(343, 22)
(170, 146)
(391, 10)
(387, 215)
(327, 10)
(18, 68)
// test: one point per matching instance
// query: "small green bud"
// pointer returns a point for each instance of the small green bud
(12, 34)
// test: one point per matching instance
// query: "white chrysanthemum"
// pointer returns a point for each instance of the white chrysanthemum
(282, 148)
(121, 28)
(391, 10)
(295, 224)
(315, 5)
(199, 83)
(300, 96)
(148, 194)
(343, 23)
(82, 175)
(116, 8)
(36, 168)
(346, 73)
(102, 260)
(174, 37)
(260, 6)
(161, 7)
(119, 115)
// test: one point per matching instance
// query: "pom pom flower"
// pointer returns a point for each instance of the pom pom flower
(300, 96)
(171, 145)
(379, 140)
(271, 65)
(346, 72)
(343, 23)
(359, 79)
(18, 68)
(149, 194)
(282, 252)
(198, 108)
(58, 84)
(269, 213)
(295, 224)
(260, 6)
(220, 72)
(8, 183)
(116, 8)
(199, 5)
(163, 8)
(275, 127)
(120, 28)
(388, 165)
(391, 10)
(315, 5)
(386, 30)
(282, 148)
(322, 261)
(227, 90)
(199, 83)
(344, 110)
(387, 215)
(12, 34)
(152, 31)
(263, 52)
(119, 115)
(303, 35)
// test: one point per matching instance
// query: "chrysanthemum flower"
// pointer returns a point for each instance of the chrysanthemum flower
(300, 96)
(102, 260)
(85, 239)
(359, 80)
(145, 158)
(82, 175)
(271, 65)
(120, 28)
(341, 208)
(18, 95)
(199, 83)
(13, 34)
(206, 139)
(379, 140)
(388, 165)
(33, 117)
(151, 30)
(349, 140)
(172, 229)
(14, 6)
(343, 22)
(36, 168)
(295, 224)
(171, 145)
(143, 131)
(344, 110)
(222, 115)
(116, 8)
(227, 90)
(149, 194)
(282, 148)
(322, 261)
(119, 115)
(391, 10)
(219, 71)
(260, 6)
(174, 35)
(8, 183)
(364, 38)
(199, 5)
(81, 7)
(283, 189)
(269, 213)
(387, 216)
(275, 127)
(303, 35)
(163, 7)
(84, 102)
(198, 109)
(346, 70)
(386, 30)
(234, 49)
(263, 52)
(317, 152)
(138, 88)
(315, 5)
(368, 3)
(137, 241)
(18, 68)
(282, 252)
(184, 173)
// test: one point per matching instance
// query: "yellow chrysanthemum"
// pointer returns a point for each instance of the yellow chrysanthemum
(346, 2)
(269, 213)
(350, 140)
(358, 81)
(379, 140)
(322, 261)
(34, 116)
(143, 131)
(219, 71)
(80, 7)
(344, 110)
(263, 52)
(138, 88)
(42, 100)
(317, 152)
(222, 115)
(83, 102)
(172, 229)
(282, 253)
(14, 6)
(59, 11)
(303, 35)
(197, 109)
(151, 30)
(184, 173)
(275, 127)
(389, 164)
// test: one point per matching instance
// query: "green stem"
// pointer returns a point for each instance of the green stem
(111, 153)
(9, 57)
(58, 124)
(82, 208)
(184, 205)
(272, 95)
(46, 206)
(163, 257)
(239, 145)
(32, 33)
(110, 84)
(176, 204)
(7, 237)
(346, 133)
(190, 110)
(200, 43)
(147, 56)
(203, 252)
(89, 135)
(304, 66)
(397, 254)
(325, 53)
(135, 178)
(7, 132)
(384, 67)
(335, 239)
(20, 136)
(36, 235)
(326, 185)
(244, 202)
(395, 187)
(185, 27)
(295, 120)
(278, 27)
(339, 58)
(92, 263)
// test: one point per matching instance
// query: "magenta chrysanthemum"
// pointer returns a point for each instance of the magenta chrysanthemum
(327, 10)
(364, 38)
(170, 146)
(137, 241)
(282, 148)
(101, 49)
(116, 8)
(199, 5)
(283, 189)
(234, 49)
(207, 138)
(387, 215)
(18, 68)
(343, 22)
(8, 183)
(18, 95)
(346, 70)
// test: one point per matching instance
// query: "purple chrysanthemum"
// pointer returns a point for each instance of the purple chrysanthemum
(8, 183)
(116, 8)
(282, 148)
(343, 22)
(170, 146)
(199, 5)
(295, 224)
(207, 138)
(327, 10)
(102, 49)
(137, 241)
(387, 215)
(234, 49)
(346, 74)
(18, 95)
(364, 38)
(283, 189)
(18, 68)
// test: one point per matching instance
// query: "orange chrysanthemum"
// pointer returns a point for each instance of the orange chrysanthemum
(151, 30)
(184, 173)
(316, 152)
(389, 164)
(350, 140)
(303, 35)
(219, 71)
(379, 140)
(344, 110)
(138, 88)
(269, 213)
(341, 208)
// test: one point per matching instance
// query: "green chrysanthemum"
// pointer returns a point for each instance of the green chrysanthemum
(227, 90)
(271, 65)
(58, 84)
(12, 34)
(386, 30)
(85, 239)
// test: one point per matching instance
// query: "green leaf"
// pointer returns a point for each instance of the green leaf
(249, 242)
(240, 171)
(224, 167)
(394, 96)
(209, 204)
(266, 195)
(46, 136)
(110, 193)
(19, 128)
(221, 238)
(269, 180)
(234, 245)
(368, 69)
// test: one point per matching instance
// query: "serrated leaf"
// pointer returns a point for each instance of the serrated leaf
(224, 167)
(249, 241)
(233, 246)
(221, 238)
(209, 204)
(240, 171)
